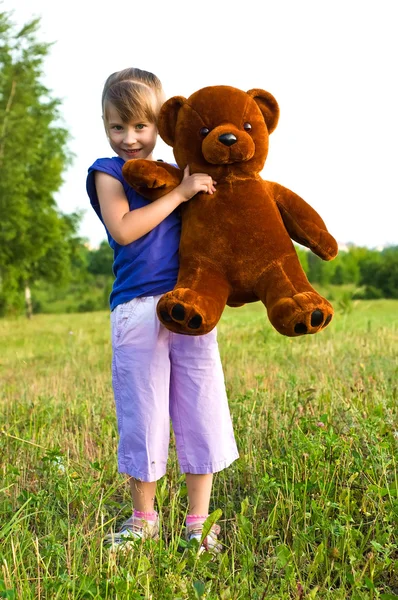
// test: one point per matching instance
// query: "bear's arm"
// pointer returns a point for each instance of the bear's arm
(303, 223)
(152, 179)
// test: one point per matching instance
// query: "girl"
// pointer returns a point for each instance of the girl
(156, 374)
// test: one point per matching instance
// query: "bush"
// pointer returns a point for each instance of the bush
(372, 293)
(88, 305)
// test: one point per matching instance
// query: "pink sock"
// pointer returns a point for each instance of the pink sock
(147, 516)
(196, 519)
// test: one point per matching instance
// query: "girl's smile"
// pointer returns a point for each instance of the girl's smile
(132, 152)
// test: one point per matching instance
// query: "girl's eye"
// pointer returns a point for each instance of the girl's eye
(140, 126)
(247, 126)
(117, 127)
(204, 131)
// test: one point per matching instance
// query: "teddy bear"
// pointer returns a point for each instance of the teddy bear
(236, 244)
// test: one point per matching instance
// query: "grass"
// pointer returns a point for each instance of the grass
(309, 510)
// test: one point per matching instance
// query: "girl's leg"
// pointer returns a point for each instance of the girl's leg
(199, 491)
(143, 494)
(141, 380)
(202, 425)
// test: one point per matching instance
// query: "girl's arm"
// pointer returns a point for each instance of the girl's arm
(125, 225)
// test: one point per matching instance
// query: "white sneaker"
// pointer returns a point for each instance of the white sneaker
(210, 543)
(131, 530)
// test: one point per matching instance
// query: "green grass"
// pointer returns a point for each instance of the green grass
(310, 509)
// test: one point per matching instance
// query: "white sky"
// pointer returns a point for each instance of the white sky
(332, 66)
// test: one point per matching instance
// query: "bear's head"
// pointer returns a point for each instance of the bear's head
(220, 130)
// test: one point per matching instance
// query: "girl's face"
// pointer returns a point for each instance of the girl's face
(135, 139)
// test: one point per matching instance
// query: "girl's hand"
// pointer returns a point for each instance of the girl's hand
(193, 184)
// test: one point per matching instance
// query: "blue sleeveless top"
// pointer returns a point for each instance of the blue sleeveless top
(148, 266)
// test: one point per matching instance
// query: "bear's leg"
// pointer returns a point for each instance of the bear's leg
(196, 304)
(293, 306)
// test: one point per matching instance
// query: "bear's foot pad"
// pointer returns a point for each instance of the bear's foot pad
(184, 311)
(302, 314)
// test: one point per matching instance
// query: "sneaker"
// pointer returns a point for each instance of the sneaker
(130, 531)
(210, 543)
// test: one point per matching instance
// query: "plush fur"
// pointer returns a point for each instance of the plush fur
(236, 245)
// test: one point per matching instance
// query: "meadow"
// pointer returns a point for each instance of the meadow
(310, 509)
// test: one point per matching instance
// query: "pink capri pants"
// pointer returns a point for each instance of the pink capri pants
(158, 375)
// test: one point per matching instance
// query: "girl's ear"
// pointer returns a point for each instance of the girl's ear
(167, 120)
(268, 106)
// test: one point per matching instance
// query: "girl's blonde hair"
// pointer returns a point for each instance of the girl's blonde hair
(137, 95)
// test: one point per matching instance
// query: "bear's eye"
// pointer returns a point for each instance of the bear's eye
(247, 126)
(204, 131)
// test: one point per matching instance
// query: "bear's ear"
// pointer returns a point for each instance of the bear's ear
(268, 106)
(168, 118)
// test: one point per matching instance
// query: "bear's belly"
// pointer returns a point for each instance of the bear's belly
(238, 233)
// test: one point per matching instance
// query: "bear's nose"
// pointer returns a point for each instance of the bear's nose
(227, 139)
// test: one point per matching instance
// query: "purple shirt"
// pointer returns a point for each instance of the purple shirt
(148, 266)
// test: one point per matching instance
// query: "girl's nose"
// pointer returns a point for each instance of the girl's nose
(130, 137)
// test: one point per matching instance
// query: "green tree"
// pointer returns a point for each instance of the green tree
(319, 271)
(36, 239)
(379, 271)
(346, 268)
(101, 260)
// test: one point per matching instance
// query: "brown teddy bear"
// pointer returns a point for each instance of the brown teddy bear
(236, 245)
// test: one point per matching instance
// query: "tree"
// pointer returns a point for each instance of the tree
(101, 260)
(379, 270)
(346, 269)
(36, 239)
(319, 271)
